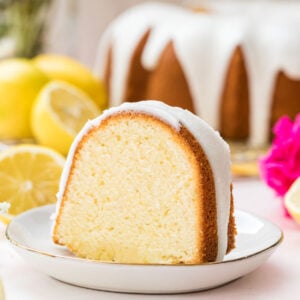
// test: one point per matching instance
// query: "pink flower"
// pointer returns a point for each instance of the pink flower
(281, 165)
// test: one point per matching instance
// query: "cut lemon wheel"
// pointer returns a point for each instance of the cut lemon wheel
(29, 176)
(292, 200)
(59, 113)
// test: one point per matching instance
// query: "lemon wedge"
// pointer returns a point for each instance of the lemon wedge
(29, 176)
(292, 200)
(59, 113)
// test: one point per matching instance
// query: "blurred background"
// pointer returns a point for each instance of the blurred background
(70, 27)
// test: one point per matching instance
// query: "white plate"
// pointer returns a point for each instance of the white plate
(29, 233)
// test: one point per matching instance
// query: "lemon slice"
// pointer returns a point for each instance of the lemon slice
(29, 176)
(59, 113)
(292, 200)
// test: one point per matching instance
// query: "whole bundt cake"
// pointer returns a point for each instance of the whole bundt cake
(237, 67)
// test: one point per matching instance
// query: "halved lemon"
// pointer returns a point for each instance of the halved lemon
(59, 67)
(292, 200)
(59, 113)
(29, 176)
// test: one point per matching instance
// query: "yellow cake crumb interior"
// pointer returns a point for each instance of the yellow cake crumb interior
(132, 195)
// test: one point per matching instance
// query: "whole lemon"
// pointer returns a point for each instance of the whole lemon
(20, 82)
(59, 67)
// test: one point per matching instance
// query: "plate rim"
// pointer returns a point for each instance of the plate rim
(85, 260)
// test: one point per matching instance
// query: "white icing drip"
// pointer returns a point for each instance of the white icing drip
(123, 37)
(204, 44)
(122, 49)
(216, 150)
(214, 49)
(160, 36)
(102, 55)
(156, 43)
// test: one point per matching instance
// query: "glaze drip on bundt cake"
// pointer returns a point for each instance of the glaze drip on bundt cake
(146, 183)
(237, 71)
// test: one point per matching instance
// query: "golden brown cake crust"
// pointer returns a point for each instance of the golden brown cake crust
(138, 76)
(234, 110)
(231, 225)
(208, 208)
(108, 68)
(167, 82)
(286, 98)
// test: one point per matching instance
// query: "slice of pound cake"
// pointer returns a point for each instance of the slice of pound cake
(146, 183)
